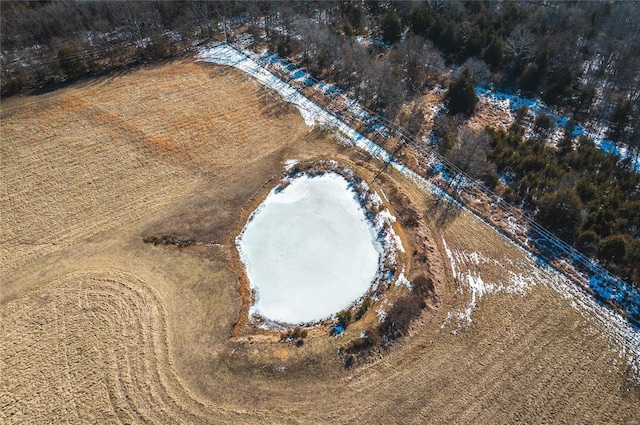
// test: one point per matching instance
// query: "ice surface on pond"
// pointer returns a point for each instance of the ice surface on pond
(309, 251)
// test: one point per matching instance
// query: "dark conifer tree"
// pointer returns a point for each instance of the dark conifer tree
(461, 97)
(391, 28)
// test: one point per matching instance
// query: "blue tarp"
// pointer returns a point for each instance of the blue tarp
(337, 330)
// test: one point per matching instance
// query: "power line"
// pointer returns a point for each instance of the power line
(466, 183)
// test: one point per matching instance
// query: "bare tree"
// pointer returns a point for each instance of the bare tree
(410, 58)
(203, 14)
(355, 63)
(519, 46)
(470, 151)
(479, 70)
(387, 91)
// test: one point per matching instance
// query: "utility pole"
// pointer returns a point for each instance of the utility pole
(224, 22)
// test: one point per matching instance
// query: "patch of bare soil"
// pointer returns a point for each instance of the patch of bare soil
(98, 326)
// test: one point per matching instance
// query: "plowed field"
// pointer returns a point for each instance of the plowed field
(97, 326)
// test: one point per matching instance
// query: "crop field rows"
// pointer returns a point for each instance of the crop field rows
(67, 180)
(103, 328)
(114, 364)
(44, 207)
(109, 151)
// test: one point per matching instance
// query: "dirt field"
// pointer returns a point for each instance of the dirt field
(97, 326)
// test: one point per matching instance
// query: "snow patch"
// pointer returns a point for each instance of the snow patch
(381, 314)
(465, 270)
(403, 281)
(289, 163)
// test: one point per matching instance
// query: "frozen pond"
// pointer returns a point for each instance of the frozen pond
(309, 251)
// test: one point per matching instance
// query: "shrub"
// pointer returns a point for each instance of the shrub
(363, 308)
(543, 122)
(561, 213)
(295, 334)
(422, 286)
(391, 28)
(14, 82)
(588, 242)
(70, 63)
(613, 248)
(521, 114)
(348, 361)
(399, 317)
(362, 345)
(344, 317)
(410, 218)
(491, 179)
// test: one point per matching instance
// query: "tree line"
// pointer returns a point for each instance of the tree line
(581, 56)
(587, 197)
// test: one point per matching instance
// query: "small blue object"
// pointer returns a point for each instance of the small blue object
(609, 146)
(577, 131)
(337, 330)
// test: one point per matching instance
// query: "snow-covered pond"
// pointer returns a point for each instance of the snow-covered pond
(309, 250)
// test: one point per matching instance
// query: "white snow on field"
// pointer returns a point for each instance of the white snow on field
(309, 251)
(466, 270)
(468, 279)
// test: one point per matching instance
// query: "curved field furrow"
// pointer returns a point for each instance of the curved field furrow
(145, 370)
(86, 320)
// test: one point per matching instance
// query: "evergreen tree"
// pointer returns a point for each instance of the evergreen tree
(355, 17)
(565, 145)
(391, 28)
(613, 249)
(494, 55)
(619, 121)
(420, 21)
(561, 213)
(461, 97)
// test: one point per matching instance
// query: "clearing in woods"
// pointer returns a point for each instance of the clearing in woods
(97, 326)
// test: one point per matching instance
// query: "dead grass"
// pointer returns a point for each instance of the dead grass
(99, 327)
(489, 115)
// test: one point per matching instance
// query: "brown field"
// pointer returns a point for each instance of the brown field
(98, 327)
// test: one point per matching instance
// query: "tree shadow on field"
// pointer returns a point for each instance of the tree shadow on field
(88, 80)
(272, 105)
(105, 74)
(443, 211)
